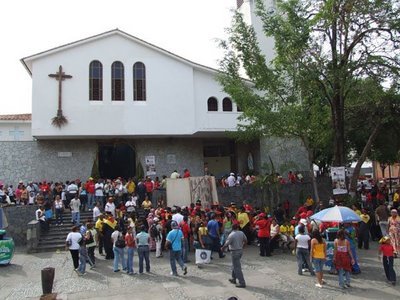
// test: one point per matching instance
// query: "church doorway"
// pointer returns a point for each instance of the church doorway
(117, 160)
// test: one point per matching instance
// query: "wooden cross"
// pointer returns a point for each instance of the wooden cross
(60, 76)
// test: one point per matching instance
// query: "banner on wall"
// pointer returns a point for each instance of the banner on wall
(338, 175)
(150, 162)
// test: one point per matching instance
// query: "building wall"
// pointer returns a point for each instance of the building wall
(286, 155)
(248, 9)
(172, 154)
(67, 160)
(170, 89)
(15, 131)
(46, 160)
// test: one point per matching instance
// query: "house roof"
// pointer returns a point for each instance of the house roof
(17, 117)
(27, 61)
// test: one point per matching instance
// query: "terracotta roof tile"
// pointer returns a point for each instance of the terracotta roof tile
(18, 117)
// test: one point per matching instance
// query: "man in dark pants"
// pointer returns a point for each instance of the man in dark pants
(236, 241)
(363, 230)
(213, 233)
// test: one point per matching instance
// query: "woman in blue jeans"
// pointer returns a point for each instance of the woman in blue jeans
(118, 252)
(142, 242)
(302, 243)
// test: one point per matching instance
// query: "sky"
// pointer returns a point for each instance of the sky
(188, 28)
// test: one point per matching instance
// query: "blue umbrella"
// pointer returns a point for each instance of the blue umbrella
(340, 214)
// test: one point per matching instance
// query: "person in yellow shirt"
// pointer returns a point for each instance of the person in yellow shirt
(130, 186)
(99, 228)
(309, 202)
(287, 232)
(244, 223)
(363, 230)
(318, 256)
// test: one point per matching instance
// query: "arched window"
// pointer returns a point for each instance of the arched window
(95, 81)
(139, 82)
(117, 81)
(212, 104)
(226, 104)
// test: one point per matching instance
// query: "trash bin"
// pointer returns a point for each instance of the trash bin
(47, 280)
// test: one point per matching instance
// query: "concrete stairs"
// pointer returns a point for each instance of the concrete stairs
(54, 239)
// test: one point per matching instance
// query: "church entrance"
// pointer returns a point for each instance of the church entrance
(116, 160)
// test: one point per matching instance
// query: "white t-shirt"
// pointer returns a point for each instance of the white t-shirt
(231, 181)
(115, 236)
(75, 204)
(98, 187)
(74, 238)
(96, 213)
(178, 218)
(110, 207)
(302, 240)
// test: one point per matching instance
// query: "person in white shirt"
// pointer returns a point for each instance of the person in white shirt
(72, 190)
(40, 216)
(130, 204)
(302, 242)
(231, 180)
(110, 206)
(75, 212)
(98, 191)
(178, 217)
(175, 175)
(72, 243)
(96, 211)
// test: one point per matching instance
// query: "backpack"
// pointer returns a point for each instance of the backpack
(120, 243)
(154, 233)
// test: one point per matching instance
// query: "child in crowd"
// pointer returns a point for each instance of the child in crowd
(386, 253)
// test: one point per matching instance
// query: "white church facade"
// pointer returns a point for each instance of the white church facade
(127, 105)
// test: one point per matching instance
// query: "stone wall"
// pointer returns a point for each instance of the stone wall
(18, 218)
(46, 160)
(182, 153)
(286, 155)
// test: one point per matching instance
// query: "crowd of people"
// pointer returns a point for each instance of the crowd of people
(118, 231)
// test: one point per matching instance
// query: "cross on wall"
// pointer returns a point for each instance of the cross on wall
(60, 76)
(16, 133)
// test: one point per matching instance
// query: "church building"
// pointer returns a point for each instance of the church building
(114, 105)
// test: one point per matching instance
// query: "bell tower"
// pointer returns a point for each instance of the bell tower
(248, 9)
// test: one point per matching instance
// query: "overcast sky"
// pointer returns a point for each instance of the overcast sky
(187, 28)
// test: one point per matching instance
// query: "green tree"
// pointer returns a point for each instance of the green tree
(324, 49)
(372, 126)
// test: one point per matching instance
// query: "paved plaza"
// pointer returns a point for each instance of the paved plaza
(267, 278)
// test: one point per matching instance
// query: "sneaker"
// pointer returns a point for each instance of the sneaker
(348, 285)
(184, 270)
(318, 285)
(92, 267)
(115, 271)
(242, 286)
(304, 270)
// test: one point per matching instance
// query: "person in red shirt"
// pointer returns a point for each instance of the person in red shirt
(386, 253)
(186, 173)
(89, 186)
(264, 224)
(149, 187)
(186, 235)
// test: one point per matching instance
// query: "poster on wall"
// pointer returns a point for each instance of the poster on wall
(150, 162)
(338, 175)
